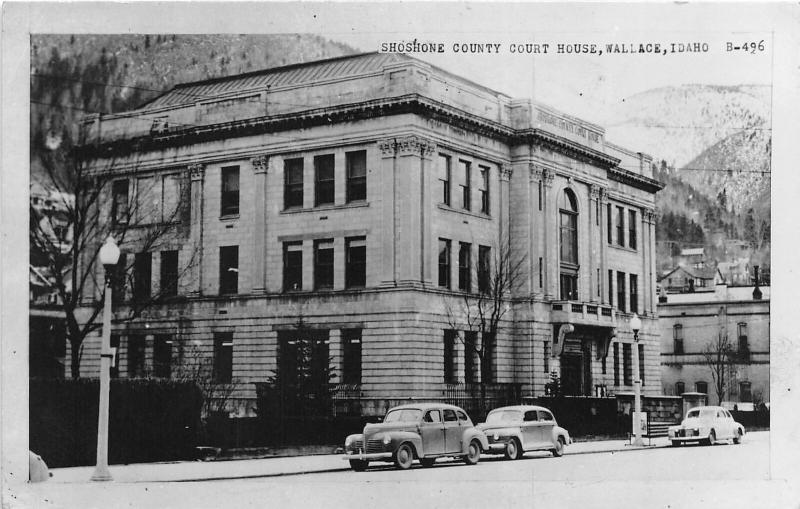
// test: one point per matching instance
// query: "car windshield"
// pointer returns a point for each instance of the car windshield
(403, 415)
(706, 413)
(504, 416)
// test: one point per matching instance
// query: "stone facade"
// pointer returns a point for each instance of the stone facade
(447, 162)
(689, 322)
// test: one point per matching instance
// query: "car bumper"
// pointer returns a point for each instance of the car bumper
(496, 447)
(367, 456)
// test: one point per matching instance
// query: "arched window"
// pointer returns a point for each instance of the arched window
(568, 241)
(680, 388)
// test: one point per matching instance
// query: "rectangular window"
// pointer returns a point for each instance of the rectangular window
(307, 350)
(680, 388)
(230, 191)
(449, 356)
(598, 283)
(356, 264)
(228, 270)
(616, 364)
(115, 364)
(351, 356)
(620, 226)
(293, 183)
(627, 364)
(742, 329)
(634, 292)
(323, 264)
(677, 338)
(148, 200)
(609, 229)
(292, 266)
(356, 163)
(223, 357)
(470, 357)
(611, 288)
(119, 280)
(162, 356)
(465, 266)
(621, 291)
(169, 273)
(120, 206)
(745, 392)
(569, 286)
(603, 364)
(142, 274)
(135, 356)
(632, 229)
(444, 177)
(701, 387)
(483, 187)
(640, 348)
(444, 263)
(323, 179)
(540, 195)
(484, 264)
(541, 272)
(465, 171)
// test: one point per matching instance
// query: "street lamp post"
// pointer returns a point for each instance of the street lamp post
(109, 256)
(636, 326)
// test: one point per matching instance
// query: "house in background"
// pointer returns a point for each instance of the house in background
(688, 279)
(351, 203)
(690, 322)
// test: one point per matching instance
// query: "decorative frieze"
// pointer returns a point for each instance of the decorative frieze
(414, 145)
(197, 171)
(505, 172)
(536, 172)
(649, 215)
(548, 176)
(260, 164)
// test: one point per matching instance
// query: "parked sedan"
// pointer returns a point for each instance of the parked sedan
(515, 430)
(706, 425)
(425, 431)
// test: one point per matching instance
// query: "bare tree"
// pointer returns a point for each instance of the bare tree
(196, 366)
(498, 273)
(89, 214)
(720, 357)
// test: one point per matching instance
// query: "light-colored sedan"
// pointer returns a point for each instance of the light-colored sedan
(706, 425)
(515, 430)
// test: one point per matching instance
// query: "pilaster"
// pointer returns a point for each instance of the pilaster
(536, 233)
(260, 172)
(550, 244)
(594, 242)
(197, 176)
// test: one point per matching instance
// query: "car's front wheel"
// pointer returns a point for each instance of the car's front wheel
(513, 450)
(712, 437)
(359, 465)
(738, 438)
(404, 457)
(558, 450)
(473, 453)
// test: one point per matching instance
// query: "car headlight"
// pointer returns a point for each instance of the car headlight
(348, 441)
(496, 436)
(386, 440)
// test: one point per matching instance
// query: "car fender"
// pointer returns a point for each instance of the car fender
(471, 434)
(510, 432)
(558, 431)
(354, 438)
(399, 437)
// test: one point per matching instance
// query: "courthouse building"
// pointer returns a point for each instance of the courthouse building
(357, 200)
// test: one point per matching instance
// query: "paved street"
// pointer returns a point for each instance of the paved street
(737, 476)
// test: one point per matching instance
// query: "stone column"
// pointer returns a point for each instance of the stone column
(428, 245)
(197, 175)
(594, 245)
(602, 199)
(651, 277)
(537, 227)
(260, 171)
(388, 234)
(550, 227)
(506, 171)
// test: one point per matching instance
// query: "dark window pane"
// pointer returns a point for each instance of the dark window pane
(356, 175)
(162, 356)
(616, 363)
(228, 269)
(356, 264)
(465, 176)
(223, 357)
(292, 266)
(135, 356)
(627, 364)
(119, 280)
(293, 183)
(444, 178)
(169, 273)
(634, 289)
(323, 264)
(620, 226)
(640, 348)
(444, 263)
(351, 365)
(484, 263)
(470, 356)
(632, 229)
(484, 189)
(323, 179)
(142, 274)
(230, 191)
(449, 356)
(569, 286)
(621, 291)
(465, 266)
(121, 209)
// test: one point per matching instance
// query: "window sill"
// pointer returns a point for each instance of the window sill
(323, 208)
(623, 248)
(448, 208)
(229, 217)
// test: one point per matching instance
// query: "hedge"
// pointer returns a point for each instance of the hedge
(149, 420)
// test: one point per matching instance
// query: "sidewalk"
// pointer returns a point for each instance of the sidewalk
(272, 467)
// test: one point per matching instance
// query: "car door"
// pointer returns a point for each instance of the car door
(531, 435)
(452, 431)
(546, 424)
(721, 425)
(432, 431)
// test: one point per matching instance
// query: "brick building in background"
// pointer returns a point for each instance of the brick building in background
(353, 201)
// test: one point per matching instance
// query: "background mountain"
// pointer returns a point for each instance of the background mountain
(712, 147)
